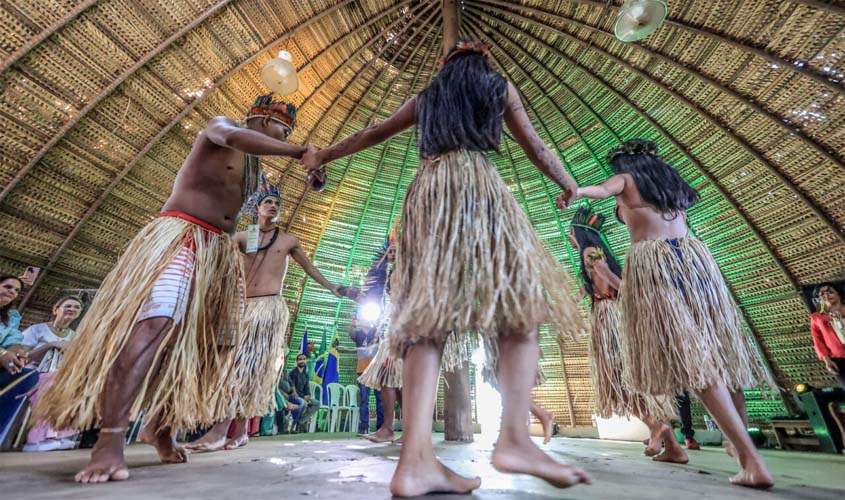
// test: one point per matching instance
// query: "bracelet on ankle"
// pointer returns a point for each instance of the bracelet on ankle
(113, 430)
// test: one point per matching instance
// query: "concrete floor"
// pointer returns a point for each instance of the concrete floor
(342, 468)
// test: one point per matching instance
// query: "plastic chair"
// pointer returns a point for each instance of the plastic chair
(316, 395)
(353, 415)
(336, 404)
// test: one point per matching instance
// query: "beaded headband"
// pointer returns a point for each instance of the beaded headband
(278, 111)
(476, 46)
(633, 147)
(265, 190)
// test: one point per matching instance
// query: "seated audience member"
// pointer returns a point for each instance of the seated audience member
(828, 329)
(15, 378)
(301, 395)
(285, 407)
(46, 343)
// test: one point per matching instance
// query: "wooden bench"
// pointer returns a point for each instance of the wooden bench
(795, 434)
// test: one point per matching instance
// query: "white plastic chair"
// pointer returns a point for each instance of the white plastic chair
(353, 416)
(336, 404)
(316, 395)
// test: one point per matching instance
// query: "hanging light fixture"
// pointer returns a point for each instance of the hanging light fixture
(639, 18)
(279, 75)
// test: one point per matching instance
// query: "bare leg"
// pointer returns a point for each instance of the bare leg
(722, 407)
(419, 472)
(123, 382)
(545, 418)
(738, 398)
(213, 440)
(241, 435)
(515, 452)
(384, 434)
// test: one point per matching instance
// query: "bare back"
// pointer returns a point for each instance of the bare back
(265, 270)
(209, 185)
(643, 220)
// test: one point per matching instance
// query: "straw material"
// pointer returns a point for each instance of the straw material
(612, 396)
(468, 260)
(196, 357)
(262, 348)
(384, 370)
(682, 328)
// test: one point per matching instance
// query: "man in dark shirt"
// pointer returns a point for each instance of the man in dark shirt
(300, 395)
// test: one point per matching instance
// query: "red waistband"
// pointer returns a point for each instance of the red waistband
(192, 220)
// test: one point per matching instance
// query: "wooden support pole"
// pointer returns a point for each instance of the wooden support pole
(457, 411)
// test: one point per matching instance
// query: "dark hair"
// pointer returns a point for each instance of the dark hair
(587, 227)
(4, 311)
(658, 183)
(837, 287)
(301, 355)
(462, 108)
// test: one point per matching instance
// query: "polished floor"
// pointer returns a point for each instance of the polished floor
(345, 468)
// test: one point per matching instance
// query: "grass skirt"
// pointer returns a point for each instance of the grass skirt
(192, 385)
(260, 359)
(468, 261)
(612, 396)
(682, 328)
(384, 370)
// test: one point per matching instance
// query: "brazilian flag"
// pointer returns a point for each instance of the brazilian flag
(326, 371)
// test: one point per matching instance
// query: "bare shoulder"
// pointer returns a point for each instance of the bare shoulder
(288, 241)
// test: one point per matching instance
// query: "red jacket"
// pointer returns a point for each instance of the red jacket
(824, 337)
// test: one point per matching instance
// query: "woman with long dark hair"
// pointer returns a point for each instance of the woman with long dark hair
(601, 275)
(682, 329)
(468, 261)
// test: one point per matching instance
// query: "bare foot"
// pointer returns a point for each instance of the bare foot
(754, 477)
(548, 421)
(237, 442)
(672, 451)
(424, 477)
(654, 446)
(165, 444)
(213, 440)
(383, 435)
(525, 458)
(107, 462)
(673, 454)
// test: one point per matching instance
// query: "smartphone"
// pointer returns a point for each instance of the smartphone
(30, 275)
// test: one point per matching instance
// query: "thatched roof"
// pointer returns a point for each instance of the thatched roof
(102, 99)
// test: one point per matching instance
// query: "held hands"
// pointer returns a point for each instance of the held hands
(567, 197)
(311, 159)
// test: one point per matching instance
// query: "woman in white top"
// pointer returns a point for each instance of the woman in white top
(46, 342)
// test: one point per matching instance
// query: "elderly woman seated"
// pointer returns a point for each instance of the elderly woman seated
(45, 343)
(15, 378)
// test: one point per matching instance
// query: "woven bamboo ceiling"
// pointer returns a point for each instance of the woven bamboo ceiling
(101, 99)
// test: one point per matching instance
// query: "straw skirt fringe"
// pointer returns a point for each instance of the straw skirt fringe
(682, 328)
(611, 395)
(384, 370)
(260, 359)
(191, 386)
(469, 262)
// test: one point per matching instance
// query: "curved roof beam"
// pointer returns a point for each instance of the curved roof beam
(160, 135)
(764, 241)
(812, 205)
(421, 70)
(765, 54)
(60, 134)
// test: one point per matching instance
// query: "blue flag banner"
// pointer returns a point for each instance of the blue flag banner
(326, 371)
